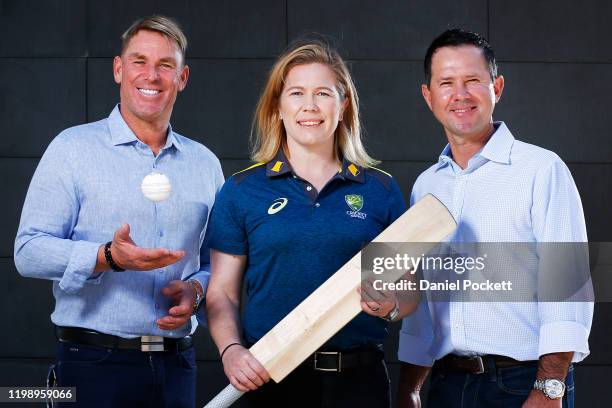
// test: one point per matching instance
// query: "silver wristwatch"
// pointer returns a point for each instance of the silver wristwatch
(552, 388)
(198, 295)
(393, 313)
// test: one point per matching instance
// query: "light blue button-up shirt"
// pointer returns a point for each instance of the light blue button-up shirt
(86, 185)
(510, 191)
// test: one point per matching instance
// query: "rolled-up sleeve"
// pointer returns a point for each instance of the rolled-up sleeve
(416, 337)
(43, 248)
(557, 216)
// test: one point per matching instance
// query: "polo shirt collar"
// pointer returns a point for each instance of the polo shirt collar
(280, 166)
(497, 149)
(122, 134)
(351, 171)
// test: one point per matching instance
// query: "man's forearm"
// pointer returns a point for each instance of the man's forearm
(411, 380)
(554, 365)
(550, 366)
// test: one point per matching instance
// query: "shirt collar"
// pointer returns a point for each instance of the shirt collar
(122, 134)
(499, 146)
(351, 171)
(445, 157)
(280, 166)
(497, 149)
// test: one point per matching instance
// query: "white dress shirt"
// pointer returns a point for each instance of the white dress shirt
(510, 191)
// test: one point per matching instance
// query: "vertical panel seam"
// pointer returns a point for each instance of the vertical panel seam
(87, 45)
(489, 20)
(286, 23)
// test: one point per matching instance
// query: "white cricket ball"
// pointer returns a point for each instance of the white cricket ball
(156, 187)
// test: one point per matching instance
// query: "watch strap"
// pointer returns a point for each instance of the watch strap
(393, 313)
(199, 294)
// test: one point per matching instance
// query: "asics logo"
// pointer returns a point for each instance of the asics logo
(277, 205)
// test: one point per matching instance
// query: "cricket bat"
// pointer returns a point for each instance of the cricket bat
(336, 302)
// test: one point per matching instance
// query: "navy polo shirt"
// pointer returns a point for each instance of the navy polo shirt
(295, 238)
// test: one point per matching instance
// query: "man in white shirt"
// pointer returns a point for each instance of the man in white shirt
(498, 189)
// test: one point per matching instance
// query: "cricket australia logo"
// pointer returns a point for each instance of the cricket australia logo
(355, 203)
(277, 205)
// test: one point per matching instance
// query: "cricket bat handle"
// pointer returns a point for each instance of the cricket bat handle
(225, 398)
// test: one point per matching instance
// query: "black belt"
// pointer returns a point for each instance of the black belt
(144, 343)
(479, 364)
(346, 359)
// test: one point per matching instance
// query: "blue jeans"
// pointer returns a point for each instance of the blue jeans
(499, 387)
(115, 378)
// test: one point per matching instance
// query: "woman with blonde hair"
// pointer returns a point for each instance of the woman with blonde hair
(287, 223)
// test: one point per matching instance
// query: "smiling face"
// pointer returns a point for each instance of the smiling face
(150, 72)
(461, 93)
(310, 105)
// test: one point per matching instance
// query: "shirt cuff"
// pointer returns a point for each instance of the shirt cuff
(558, 337)
(83, 259)
(414, 350)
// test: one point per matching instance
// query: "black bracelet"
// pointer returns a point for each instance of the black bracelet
(228, 346)
(109, 258)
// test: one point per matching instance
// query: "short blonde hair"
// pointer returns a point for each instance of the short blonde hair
(161, 24)
(268, 133)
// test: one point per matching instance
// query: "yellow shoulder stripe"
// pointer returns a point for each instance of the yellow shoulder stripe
(382, 171)
(249, 168)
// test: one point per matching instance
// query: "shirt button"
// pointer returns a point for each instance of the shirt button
(161, 233)
(309, 188)
(294, 176)
(156, 306)
(317, 205)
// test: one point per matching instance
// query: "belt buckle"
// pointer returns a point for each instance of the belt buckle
(481, 368)
(339, 360)
(152, 343)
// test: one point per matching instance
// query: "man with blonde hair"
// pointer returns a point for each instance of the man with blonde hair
(124, 335)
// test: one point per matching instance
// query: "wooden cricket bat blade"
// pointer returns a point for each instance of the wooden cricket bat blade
(336, 302)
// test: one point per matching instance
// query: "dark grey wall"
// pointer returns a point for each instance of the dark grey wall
(55, 65)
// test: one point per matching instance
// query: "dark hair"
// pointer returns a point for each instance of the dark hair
(454, 38)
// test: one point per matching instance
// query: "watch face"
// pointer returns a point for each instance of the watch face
(554, 388)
